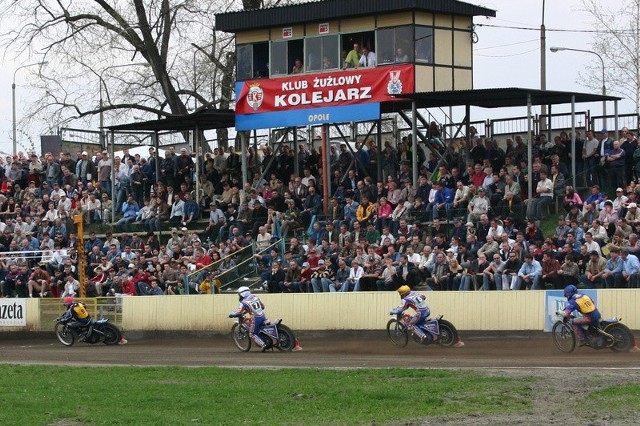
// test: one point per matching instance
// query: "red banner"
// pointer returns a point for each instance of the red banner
(324, 90)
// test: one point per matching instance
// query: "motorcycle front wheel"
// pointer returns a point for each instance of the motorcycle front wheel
(398, 333)
(241, 337)
(66, 336)
(286, 339)
(448, 333)
(563, 336)
(624, 340)
(112, 334)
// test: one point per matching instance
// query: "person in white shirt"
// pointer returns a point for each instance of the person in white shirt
(412, 256)
(263, 240)
(368, 58)
(354, 276)
(536, 206)
(620, 201)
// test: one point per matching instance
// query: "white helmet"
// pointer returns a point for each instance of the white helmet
(244, 292)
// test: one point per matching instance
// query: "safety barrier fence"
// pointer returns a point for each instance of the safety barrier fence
(98, 307)
(226, 272)
(473, 311)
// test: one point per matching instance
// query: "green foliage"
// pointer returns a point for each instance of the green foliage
(623, 398)
(127, 395)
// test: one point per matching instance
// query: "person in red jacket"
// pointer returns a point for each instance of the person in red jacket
(305, 278)
(128, 287)
(141, 279)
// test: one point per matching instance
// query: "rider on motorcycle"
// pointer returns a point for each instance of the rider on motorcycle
(77, 312)
(583, 304)
(254, 307)
(416, 301)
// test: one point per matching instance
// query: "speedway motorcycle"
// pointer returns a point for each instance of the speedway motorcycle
(607, 334)
(98, 331)
(279, 335)
(436, 330)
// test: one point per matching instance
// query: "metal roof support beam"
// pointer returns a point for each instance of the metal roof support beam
(379, 146)
(325, 169)
(420, 134)
(617, 129)
(467, 124)
(529, 153)
(414, 141)
(296, 167)
(157, 149)
(243, 156)
(199, 153)
(573, 142)
(113, 178)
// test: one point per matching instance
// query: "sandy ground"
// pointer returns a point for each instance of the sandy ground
(556, 380)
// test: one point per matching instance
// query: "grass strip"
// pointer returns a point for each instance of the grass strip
(38, 395)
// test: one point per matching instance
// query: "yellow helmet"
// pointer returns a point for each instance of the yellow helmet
(404, 290)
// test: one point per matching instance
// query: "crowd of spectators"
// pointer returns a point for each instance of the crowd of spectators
(468, 224)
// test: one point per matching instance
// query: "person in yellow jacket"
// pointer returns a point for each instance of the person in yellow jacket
(365, 212)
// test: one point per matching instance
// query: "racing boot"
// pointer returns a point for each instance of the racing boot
(260, 342)
(268, 342)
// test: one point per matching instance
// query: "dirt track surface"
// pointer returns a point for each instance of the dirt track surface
(337, 350)
(549, 374)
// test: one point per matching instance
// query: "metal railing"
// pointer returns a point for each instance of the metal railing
(245, 264)
(99, 307)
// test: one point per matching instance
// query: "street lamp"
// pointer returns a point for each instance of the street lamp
(144, 64)
(13, 99)
(604, 88)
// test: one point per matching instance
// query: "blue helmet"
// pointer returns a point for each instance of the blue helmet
(570, 291)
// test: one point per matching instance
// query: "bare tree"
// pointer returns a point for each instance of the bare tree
(618, 42)
(150, 56)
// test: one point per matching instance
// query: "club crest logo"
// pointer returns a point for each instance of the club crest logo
(255, 96)
(394, 87)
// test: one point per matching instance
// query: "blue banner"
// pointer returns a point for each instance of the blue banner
(555, 301)
(311, 116)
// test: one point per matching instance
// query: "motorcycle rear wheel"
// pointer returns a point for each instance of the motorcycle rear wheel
(624, 340)
(286, 338)
(241, 337)
(564, 337)
(112, 334)
(448, 333)
(398, 333)
(66, 336)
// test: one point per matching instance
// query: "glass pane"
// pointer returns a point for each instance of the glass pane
(385, 46)
(295, 56)
(313, 49)
(279, 58)
(261, 60)
(244, 56)
(330, 52)
(404, 52)
(424, 44)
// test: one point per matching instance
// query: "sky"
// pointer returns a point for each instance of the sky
(503, 57)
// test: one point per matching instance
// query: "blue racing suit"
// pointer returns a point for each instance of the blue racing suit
(418, 303)
(586, 306)
(253, 306)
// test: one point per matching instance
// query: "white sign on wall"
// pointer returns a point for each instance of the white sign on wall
(13, 313)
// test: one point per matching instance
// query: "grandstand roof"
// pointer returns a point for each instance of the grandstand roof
(491, 98)
(206, 119)
(321, 10)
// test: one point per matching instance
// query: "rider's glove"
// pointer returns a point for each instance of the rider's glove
(394, 312)
(233, 315)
